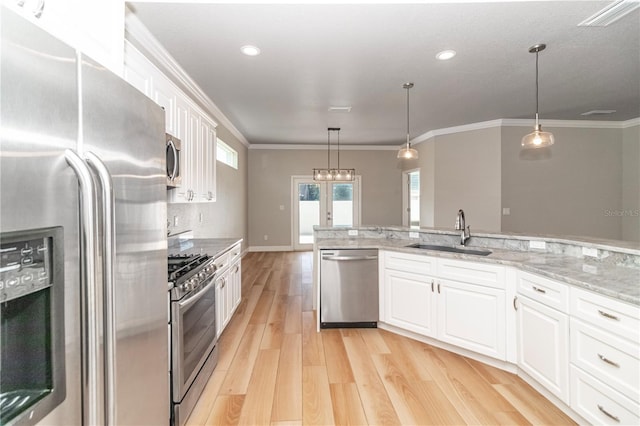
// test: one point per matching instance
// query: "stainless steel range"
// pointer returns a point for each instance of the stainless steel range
(194, 353)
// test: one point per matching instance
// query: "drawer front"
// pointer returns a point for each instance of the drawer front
(599, 404)
(222, 261)
(548, 292)
(235, 252)
(612, 315)
(408, 262)
(608, 358)
(471, 272)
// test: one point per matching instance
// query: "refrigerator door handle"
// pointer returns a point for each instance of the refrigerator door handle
(88, 279)
(107, 203)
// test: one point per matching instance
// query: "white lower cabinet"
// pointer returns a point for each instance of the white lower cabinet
(543, 345)
(605, 359)
(472, 317)
(410, 302)
(581, 346)
(228, 287)
(599, 404)
(222, 294)
(464, 314)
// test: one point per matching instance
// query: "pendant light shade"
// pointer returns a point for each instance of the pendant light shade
(537, 138)
(333, 174)
(406, 152)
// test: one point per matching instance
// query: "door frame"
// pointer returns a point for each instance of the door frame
(406, 202)
(324, 203)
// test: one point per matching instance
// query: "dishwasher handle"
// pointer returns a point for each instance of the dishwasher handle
(333, 257)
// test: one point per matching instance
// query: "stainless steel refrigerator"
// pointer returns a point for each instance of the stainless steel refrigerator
(83, 284)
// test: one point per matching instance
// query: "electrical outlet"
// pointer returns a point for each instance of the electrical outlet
(281, 207)
(175, 221)
(352, 232)
(538, 245)
(590, 269)
(506, 211)
(266, 237)
(414, 235)
(588, 251)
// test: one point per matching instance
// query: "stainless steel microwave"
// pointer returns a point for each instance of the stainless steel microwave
(174, 161)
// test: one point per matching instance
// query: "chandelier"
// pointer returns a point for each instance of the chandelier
(333, 174)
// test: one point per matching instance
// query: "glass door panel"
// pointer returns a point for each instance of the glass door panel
(308, 211)
(341, 208)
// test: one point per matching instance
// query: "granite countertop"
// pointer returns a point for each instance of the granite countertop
(214, 247)
(619, 282)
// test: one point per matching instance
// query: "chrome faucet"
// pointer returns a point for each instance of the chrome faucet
(466, 232)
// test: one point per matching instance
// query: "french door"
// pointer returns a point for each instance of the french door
(334, 204)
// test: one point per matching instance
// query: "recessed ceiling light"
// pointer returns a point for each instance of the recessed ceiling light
(446, 54)
(250, 50)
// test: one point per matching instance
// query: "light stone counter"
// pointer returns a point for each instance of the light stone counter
(615, 272)
(214, 247)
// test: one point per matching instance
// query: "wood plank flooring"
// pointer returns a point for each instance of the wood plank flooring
(275, 369)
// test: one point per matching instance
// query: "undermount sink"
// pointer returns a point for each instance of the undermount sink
(461, 250)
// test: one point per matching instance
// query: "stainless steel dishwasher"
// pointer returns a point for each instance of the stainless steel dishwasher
(348, 288)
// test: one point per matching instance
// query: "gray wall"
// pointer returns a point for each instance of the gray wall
(270, 172)
(631, 183)
(460, 171)
(227, 217)
(567, 192)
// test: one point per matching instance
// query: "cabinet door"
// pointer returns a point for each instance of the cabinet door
(222, 296)
(409, 302)
(208, 159)
(181, 194)
(193, 157)
(137, 70)
(164, 95)
(543, 345)
(472, 317)
(236, 284)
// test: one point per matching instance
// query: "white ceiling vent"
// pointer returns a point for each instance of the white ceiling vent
(611, 13)
(599, 112)
(339, 109)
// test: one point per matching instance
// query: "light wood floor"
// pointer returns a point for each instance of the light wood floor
(275, 369)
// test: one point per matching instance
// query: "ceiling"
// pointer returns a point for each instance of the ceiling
(314, 56)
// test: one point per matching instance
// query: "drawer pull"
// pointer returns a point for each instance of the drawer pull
(431, 286)
(515, 299)
(608, 361)
(438, 288)
(539, 290)
(608, 414)
(608, 315)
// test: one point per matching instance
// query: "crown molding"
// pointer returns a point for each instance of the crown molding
(514, 122)
(631, 123)
(135, 29)
(316, 147)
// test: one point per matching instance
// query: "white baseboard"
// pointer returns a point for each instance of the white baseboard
(270, 248)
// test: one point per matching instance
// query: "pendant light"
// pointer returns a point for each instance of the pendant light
(537, 138)
(335, 174)
(407, 152)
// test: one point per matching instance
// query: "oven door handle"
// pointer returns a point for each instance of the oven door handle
(185, 304)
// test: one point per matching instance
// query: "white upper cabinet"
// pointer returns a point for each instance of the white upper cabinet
(183, 119)
(95, 27)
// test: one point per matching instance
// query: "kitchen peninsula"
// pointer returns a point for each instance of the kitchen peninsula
(562, 313)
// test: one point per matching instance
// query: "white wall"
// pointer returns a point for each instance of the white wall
(270, 172)
(460, 171)
(567, 192)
